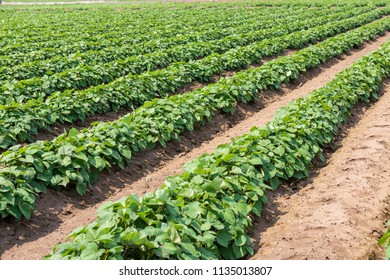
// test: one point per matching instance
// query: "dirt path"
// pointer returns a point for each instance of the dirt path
(59, 213)
(341, 213)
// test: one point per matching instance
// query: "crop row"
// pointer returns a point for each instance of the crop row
(85, 76)
(204, 213)
(124, 35)
(76, 159)
(145, 45)
(94, 27)
(124, 27)
(107, 19)
(22, 121)
(140, 44)
(67, 23)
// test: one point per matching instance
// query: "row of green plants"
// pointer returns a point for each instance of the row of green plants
(145, 45)
(20, 122)
(84, 76)
(60, 24)
(205, 212)
(75, 159)
(95, 27)
(30, 22)
(123, 28)
(150, 39)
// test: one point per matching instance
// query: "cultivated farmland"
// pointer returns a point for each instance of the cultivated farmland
(222, 130)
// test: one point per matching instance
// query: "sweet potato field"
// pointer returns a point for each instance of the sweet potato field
(179, 130)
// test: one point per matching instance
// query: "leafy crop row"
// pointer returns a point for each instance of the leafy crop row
(130, 34)
(77, 158)
(151, 40)
(141, 45)
(35, 27)
(85, 76)
(204, 212)
(124, 30)
(126, 23)
(22, 121)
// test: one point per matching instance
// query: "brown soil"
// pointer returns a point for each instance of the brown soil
(338, 213)
(58, 213)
